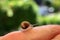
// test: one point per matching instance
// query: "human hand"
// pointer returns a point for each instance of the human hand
(28, 32)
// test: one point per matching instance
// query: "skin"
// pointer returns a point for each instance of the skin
(28, 32)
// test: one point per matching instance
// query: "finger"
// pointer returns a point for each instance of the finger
(57, 37)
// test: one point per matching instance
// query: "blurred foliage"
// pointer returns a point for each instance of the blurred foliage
(56, 4)
(50, 19)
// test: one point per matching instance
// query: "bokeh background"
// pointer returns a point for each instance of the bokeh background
(13, 12)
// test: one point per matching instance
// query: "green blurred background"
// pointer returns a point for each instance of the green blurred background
(13, 12)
